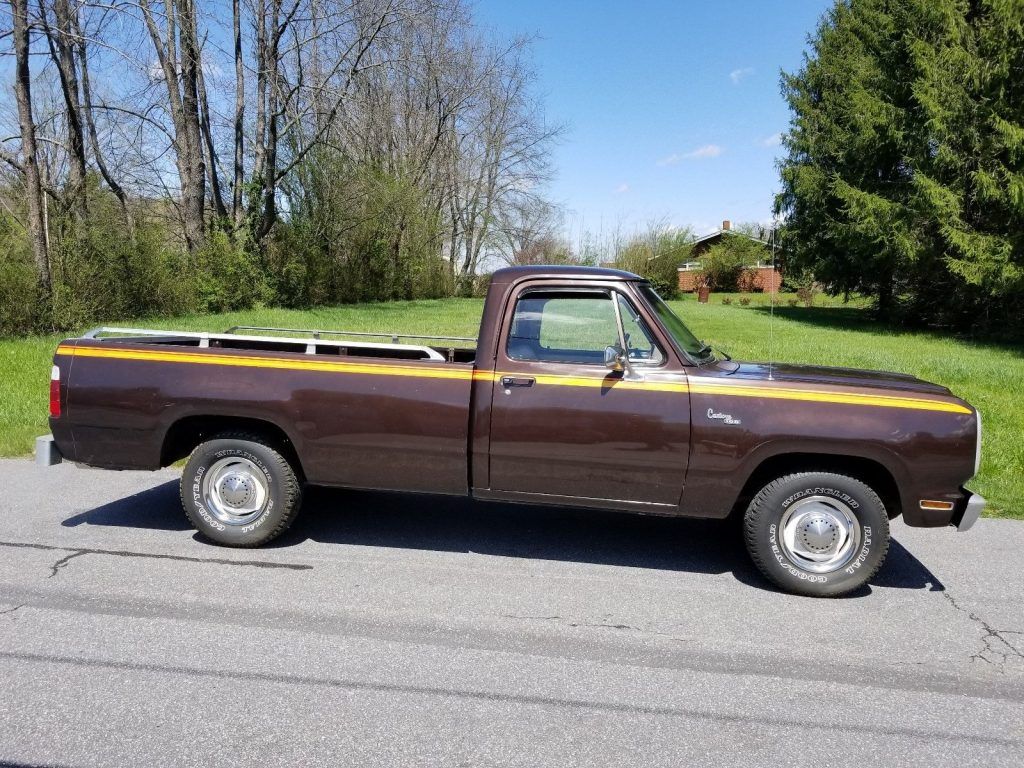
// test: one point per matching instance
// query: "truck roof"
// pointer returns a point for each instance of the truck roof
(511, 274)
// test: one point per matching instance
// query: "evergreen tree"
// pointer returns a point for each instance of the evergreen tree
(905, 170)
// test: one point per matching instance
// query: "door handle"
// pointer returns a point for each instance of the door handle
(513, 381)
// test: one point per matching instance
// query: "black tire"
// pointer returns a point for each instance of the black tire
(271, 515)
(763, 524)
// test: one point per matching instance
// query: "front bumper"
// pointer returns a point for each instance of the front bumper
(969, 514)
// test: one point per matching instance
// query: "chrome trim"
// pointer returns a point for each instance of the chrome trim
(303, 345)
(973, 510)
(820, 534)
(235, 490)
(47, 452)
(977, 444)
(316, 333)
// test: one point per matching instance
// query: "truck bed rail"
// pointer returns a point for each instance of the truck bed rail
(309, 344)
(317, 333)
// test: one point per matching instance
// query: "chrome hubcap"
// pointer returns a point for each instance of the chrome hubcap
(235, 490)
(820, 534)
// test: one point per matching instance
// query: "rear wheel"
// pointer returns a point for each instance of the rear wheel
(239, 491)
(817, 533)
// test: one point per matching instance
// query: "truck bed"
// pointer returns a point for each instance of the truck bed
(368, 414)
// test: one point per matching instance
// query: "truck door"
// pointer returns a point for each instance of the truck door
(563, 424)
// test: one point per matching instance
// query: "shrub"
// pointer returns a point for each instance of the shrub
(100, 270)
(727, 300)
(744, 301)
(804, 285)
(792, 302)
(358, 234)
(19, 304)
(721, 268)
(747, 280)
(656, 256)
(229, 277)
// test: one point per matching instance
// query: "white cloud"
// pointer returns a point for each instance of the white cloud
(708, 150)
(622, 189)
(771, 141)
(738, 74)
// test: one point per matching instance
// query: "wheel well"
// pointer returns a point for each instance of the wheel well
(185, 434)
(868, 471)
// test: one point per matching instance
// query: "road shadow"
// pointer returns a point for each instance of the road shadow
(454, 524)
(904, 571)
(158, 508)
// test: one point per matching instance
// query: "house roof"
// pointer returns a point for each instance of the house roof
(720, 232)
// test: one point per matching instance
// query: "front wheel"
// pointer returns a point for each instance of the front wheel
(239, 491)
(817, 533)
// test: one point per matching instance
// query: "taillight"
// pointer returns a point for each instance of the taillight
(55, 391)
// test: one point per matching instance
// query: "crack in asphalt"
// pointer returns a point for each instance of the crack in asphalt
(79, 551)
(63, 562)
(12, 610)
(996, 650)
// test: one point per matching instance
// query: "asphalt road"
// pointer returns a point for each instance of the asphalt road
(386, 630)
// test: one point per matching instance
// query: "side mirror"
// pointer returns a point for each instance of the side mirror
(615, 358)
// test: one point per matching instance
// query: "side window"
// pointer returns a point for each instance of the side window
(562, 328)
(639, 341)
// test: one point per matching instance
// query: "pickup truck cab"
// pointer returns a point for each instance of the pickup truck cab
(583, 389)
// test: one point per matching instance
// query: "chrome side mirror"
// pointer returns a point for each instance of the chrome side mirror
(615, 358)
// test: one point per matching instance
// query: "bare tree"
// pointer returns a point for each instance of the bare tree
(237, 212)
(177, 52)
(90, 123)
(284, 104)
(209, 148)
(529, 232)
(29, 160)
(501, 156)
(395, 141)
(60, 38)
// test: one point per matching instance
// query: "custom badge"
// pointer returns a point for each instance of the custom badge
(725, 418)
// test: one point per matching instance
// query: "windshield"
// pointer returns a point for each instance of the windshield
(676, 327)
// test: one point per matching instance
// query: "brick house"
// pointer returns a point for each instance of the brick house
(761, 277)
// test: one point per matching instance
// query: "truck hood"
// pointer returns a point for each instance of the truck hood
(850, 377)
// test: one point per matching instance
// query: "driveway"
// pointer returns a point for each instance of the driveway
(389, 630)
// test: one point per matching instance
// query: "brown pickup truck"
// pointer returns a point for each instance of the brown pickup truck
(583, 389)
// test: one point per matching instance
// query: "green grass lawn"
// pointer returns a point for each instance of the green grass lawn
(987, 375)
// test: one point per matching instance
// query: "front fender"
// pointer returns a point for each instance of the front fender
(928, 454)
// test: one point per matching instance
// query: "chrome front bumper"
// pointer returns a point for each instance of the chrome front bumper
(972, 511)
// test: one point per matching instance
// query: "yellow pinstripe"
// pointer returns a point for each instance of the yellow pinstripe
(694, 384)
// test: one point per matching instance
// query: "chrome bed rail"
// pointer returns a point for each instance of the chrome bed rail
(317, 333)
(309, 344)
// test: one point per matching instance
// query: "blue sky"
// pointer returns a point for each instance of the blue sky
(672, 109)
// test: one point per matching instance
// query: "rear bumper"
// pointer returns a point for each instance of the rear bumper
(969, 513)
(47, 452)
